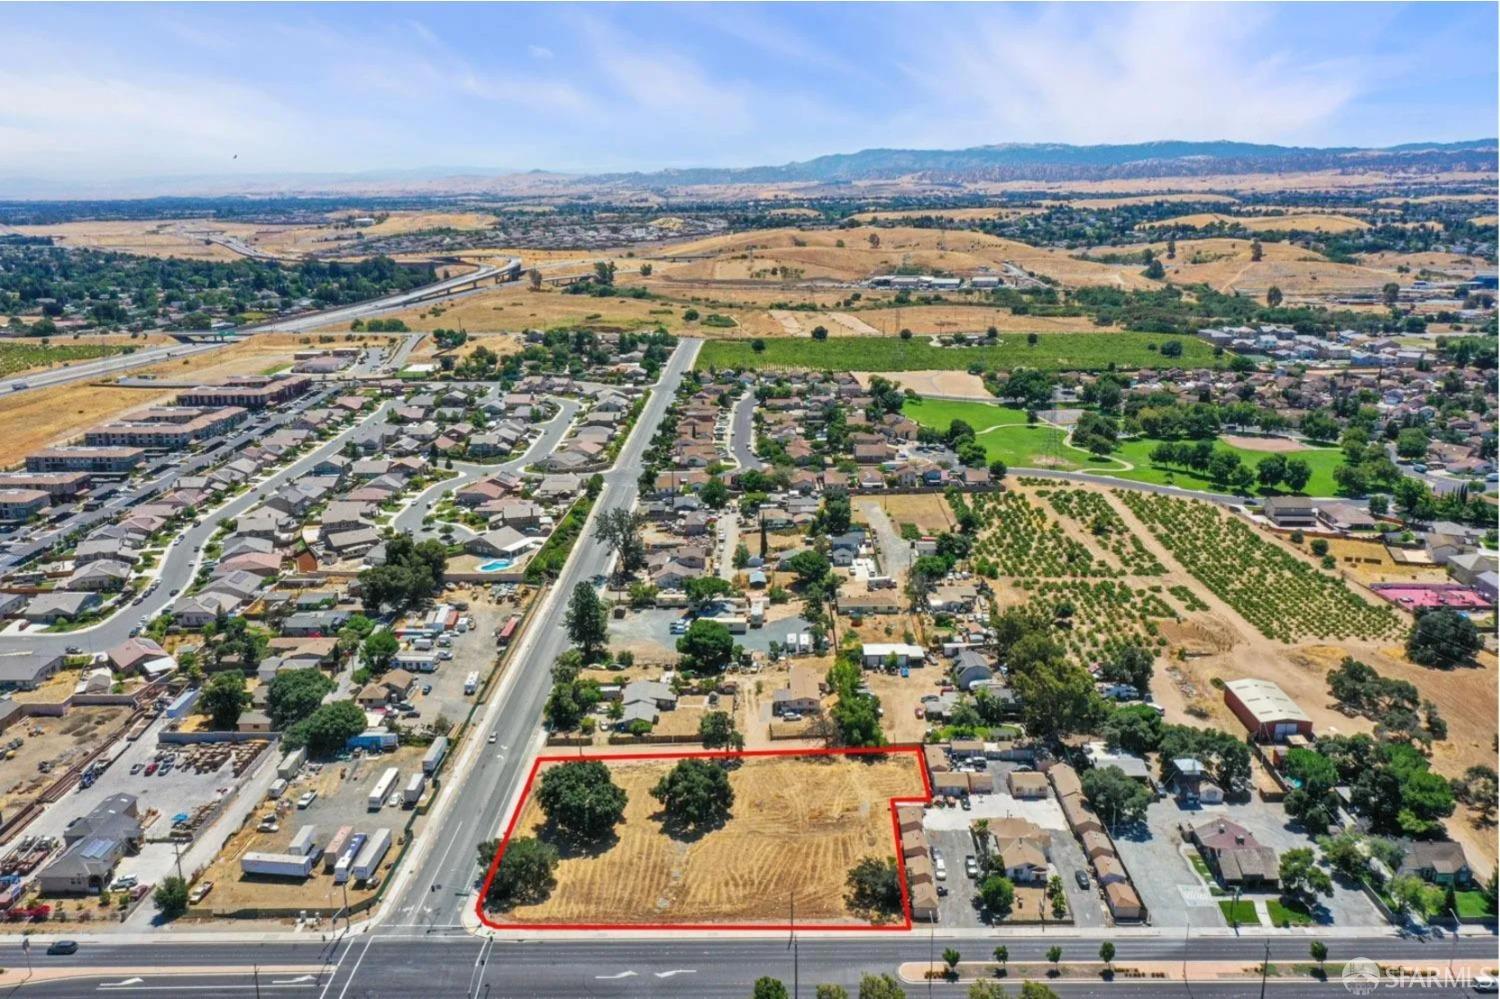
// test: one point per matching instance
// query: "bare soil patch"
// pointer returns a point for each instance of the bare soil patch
(959, 384)
(1274, 445)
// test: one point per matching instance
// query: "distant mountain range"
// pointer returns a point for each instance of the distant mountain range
(1056, 161)
(1039, 162)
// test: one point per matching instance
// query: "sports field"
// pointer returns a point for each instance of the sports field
(1007, 436)
(1051, 352)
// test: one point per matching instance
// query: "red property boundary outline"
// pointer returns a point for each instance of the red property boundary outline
(904, 750)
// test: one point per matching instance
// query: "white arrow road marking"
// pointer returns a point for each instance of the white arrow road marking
(678, 971)
(623, 974)
(116, 985)
(293, 981)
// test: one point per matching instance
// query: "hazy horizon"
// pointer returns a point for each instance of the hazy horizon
(234, 91)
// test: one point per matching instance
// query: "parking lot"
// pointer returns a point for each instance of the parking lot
(1164, 878)
(1268, 823)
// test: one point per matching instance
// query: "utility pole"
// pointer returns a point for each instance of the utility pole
(796, 964)
(1453, 953)
(931, 955)
(257, 981)
(177, 850)
(1265, 969)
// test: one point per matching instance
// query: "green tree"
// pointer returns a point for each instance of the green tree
(1273, 296)
(171, 897)
(1057, 698)
(998, 893)
(695, 794)
(701, 590)
(874, 886)
(379, 650)
(1442, 638)
(329, 728)
(1296, 474)
(828, 991)
(880, 987)
(716, 731)
(1302, 880)
(1002, 958)
(526, 875)
(768, 988)
(1115, 797)
(820, 332)
(1318, 951)
(581, 799)
(810, 566)
(714, 494)
(295, 694)
(707, 647)
(620, 530)
(951, 957)
(1054, 955)
(587, 621)
(224, 699)
(1107, 953)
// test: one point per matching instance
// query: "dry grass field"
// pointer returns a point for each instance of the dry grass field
(39, 417)
(513, 308)
(770, 254)
(1298, 221)
(798, 825)
(500, 343)
(1225, 264)
(148, 238)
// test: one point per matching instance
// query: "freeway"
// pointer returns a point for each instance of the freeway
(436, 884)
(363, 310)
(179, 565)
(440, 966)
(102, 367)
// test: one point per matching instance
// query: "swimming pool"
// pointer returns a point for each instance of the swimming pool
(496, 565)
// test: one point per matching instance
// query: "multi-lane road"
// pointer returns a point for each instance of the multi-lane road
(415, 964)
(437, 884)
(103, 367)
(364, 310)
(420, 943)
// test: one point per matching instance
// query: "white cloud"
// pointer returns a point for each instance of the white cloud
(1136, 73)
(539, 52)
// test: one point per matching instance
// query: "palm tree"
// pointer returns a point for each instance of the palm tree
(951, 958)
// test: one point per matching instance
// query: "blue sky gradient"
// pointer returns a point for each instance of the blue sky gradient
(149, 90)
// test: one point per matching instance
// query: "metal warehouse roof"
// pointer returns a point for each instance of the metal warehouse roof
(1266, 701)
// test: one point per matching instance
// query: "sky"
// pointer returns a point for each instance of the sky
(92, 93)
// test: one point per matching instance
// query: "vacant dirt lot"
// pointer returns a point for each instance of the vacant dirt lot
(929, 511)
(799, 824)
(959, 384)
